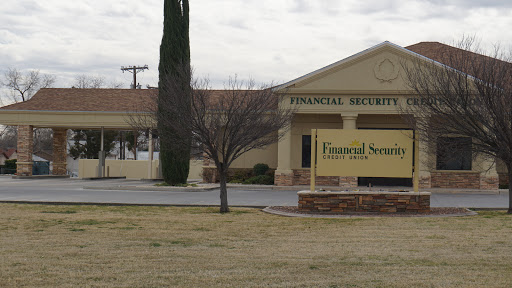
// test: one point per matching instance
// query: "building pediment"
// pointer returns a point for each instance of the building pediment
(375, 70)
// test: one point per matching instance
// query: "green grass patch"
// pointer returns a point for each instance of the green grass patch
(76, 229)
(60, 212)
(494, 213)
(240, 212)
(88, 222)
(182, 242)
(126, 228)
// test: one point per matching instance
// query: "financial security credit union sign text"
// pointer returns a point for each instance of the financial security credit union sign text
(364, 153)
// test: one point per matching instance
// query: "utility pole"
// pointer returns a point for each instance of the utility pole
(134, 70)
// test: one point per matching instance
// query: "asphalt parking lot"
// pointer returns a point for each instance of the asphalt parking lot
(122, 191)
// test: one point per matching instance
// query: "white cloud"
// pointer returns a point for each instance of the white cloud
(268, 40)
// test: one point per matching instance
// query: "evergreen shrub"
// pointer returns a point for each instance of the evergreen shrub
(239, 176)
(260, 169)
(10, 164)
(260, 179)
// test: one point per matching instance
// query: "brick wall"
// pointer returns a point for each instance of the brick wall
(283, 180)
(25, 148)
(469, 180)
(303, 177)
(455, 180)
(59, 152)
(489, 183)
(347, 181)
(424, 182)
(338, 202)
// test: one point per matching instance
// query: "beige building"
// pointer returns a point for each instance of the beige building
(63, 109)
(363, 91)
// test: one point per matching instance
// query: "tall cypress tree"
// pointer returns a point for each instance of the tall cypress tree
(174, 60)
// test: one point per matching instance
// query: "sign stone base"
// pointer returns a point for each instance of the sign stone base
(363, 201)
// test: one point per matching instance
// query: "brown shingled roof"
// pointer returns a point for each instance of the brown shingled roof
(448, 55)
(103, 100)
(74, 99)
(433, 50)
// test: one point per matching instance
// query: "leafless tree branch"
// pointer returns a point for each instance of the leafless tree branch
(23, 86)
(85, 81)
(225, 123)
(469, 95)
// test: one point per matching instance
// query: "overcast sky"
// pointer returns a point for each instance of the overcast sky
(268, 40)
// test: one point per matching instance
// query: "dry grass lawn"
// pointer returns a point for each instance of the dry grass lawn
(99, 246)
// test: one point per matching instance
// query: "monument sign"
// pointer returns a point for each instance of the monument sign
(363, 153)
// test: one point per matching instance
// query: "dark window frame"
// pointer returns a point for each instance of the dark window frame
(306, 151)
(454, 153)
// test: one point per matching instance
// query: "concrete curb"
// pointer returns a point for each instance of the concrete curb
(40, 177)
(103, 178)
(200, 188)
(122, 204)
(288, 214)
(153, 188)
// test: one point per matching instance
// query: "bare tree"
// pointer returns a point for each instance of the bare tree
(115, 85)
(24, 85)
(87, 81)
(225, 123)
(43, 140)
(465, 104)
(8, 136)
(84, 81)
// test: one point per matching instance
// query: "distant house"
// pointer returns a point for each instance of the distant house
(44, 155)
(8, 154)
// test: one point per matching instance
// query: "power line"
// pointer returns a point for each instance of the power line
(134, 70)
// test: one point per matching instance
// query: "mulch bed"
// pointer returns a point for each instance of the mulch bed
(434, 212)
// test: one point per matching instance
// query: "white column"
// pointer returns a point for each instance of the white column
(102, 139)
(284, 154)
(150, 155)
(349, 121)
(426, 161)
(101, 157)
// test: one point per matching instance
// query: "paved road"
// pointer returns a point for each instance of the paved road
(72, 191)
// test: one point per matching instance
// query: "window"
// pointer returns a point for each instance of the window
(306, 151)
(453, 153)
